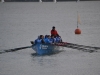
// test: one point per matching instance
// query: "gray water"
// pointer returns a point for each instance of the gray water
(22, 22)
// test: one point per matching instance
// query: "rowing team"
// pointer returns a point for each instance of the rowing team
(47, 39)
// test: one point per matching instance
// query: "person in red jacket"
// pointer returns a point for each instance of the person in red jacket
(54, 32)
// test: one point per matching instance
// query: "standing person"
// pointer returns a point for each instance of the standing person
(54, 32)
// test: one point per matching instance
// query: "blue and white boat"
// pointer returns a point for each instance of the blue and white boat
(42, 49)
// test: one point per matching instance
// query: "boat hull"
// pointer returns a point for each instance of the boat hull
(43, 49)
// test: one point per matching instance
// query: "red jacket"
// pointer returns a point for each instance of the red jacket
(54, 32)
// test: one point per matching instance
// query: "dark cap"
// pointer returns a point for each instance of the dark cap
(53, 27)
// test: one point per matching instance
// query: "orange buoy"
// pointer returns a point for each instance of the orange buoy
(77, 31)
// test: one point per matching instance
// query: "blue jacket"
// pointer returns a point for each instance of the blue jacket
(58, 39)
(53, 40)
(47, 41)
(37, 41)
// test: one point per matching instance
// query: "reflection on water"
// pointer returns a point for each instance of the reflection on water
(45, 60)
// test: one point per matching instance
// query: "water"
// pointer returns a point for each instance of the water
(22, 22)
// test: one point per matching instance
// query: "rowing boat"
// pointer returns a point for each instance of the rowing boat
(42, 49)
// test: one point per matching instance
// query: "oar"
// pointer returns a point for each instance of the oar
(14, 49)
(64, 44)
(78, 47)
